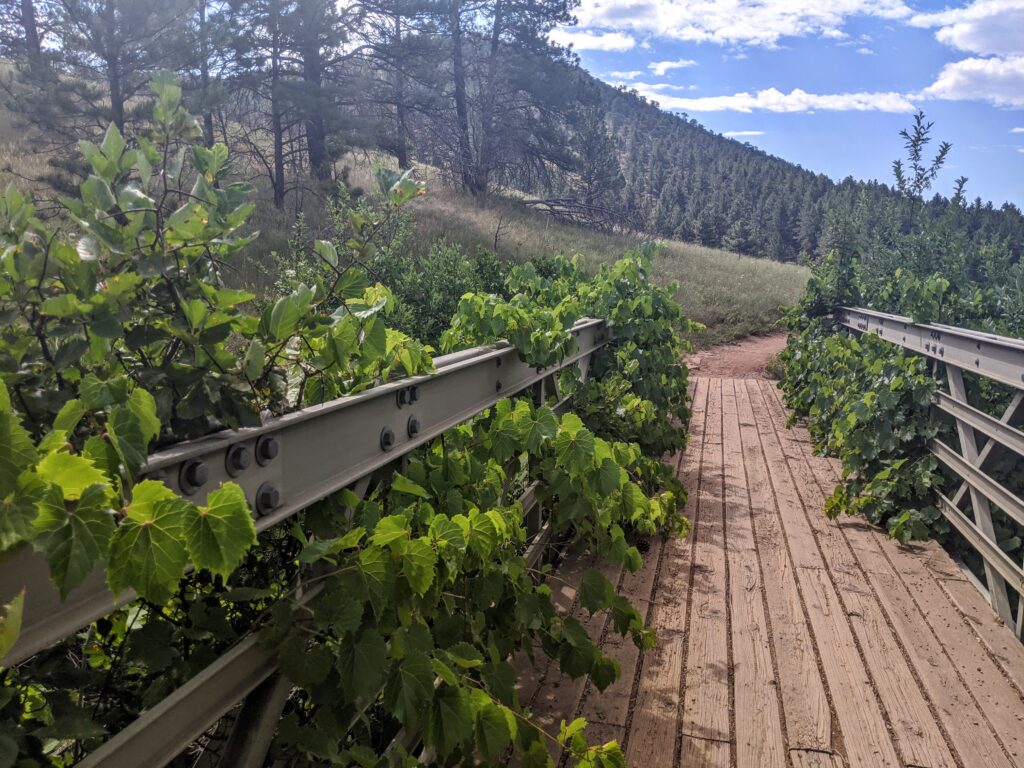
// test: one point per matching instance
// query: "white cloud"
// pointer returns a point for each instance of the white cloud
(997, 80)
(593, 41)
(632, 74)
(736, 134)
(988, 27)
(734, 22)
(1017, 130)
(661, 67)
(663, 87)
(774, 100)
(865, 52)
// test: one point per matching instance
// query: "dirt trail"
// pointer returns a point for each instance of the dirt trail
(744, 359)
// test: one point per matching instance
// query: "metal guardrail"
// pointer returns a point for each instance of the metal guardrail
(297, 460)
(1001, 359)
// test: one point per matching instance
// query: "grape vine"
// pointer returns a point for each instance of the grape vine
(395, 612)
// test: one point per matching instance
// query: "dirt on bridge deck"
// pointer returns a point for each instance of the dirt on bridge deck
(745, 359)
(784, 639)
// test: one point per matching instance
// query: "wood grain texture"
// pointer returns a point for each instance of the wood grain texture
(786, 639)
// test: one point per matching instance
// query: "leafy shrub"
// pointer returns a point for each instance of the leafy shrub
(127, 338)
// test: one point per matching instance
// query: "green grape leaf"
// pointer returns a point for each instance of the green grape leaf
(74, 537)
(402, 484)
(500, 679)
(97, 394)
(451, 719)
(127, 438)
(341, 607)
(361, 665)
(10, 624)
(147, 553)
(142, 404)
(408, 693)
(610, 477)
(218, 535)
(536, 426)
(446, 533)
(71, 473)
(377, 577)
(492, 732)
(17, 451)
(604, 672)
(465, 655)
(574, 446)
(18, 510)
(504, 433)
(304, 664)
(254, 360)
(537, 756)
(69, 416)
(418, 563)
(390, 529)
(596, 592)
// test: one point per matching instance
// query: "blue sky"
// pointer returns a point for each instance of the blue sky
(828, 84)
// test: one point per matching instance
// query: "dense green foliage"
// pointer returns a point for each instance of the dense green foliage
(869, 402)
(396, 611)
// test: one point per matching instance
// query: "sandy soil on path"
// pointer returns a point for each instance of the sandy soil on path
(744, 359)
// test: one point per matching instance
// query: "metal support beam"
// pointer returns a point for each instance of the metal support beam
(998, 357)
(301, 457)
(990, 551)
(957, 400)
(979, 481)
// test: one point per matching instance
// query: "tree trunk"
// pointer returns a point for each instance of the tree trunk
(33, 48)
(113, 62)
(316, 132)
(488, 102)
(461, 110)
(204, 74)
(401, 146)
(276, 116)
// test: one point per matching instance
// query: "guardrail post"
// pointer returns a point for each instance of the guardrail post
(256, 724)
(998, 596)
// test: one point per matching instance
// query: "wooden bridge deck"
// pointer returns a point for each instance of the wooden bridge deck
(786, 639)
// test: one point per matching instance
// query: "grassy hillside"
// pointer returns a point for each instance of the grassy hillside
(733, 295)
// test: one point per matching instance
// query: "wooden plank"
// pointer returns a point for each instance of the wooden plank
(971, 736)
(1002, 646)
(653, 720)
(804, 758)
(706, 671)
(759, 740)
(860, 717)
(998, 699)
(805, 706)
(918, 737)
(651, 739)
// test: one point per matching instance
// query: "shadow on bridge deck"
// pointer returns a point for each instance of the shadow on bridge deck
(786, 639)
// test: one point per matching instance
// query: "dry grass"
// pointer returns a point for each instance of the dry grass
(733, 295)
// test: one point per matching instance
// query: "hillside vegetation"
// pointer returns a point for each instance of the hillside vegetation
(477, 91)
(731, 294)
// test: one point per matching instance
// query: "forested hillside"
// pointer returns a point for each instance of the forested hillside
(474, 89)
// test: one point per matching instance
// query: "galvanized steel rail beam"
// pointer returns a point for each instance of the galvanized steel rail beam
(293, 461)
(998, 357)
(991, 553)
(993, 491)
(1001, 359)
